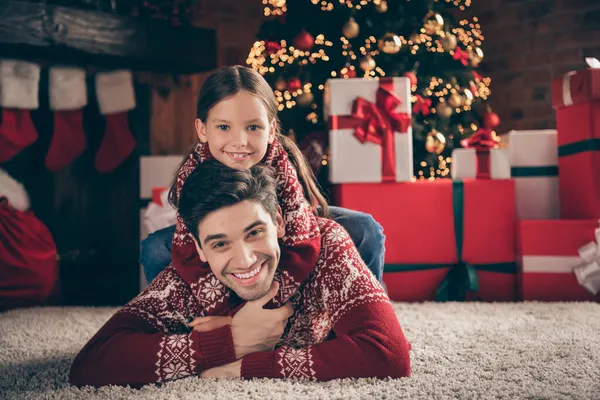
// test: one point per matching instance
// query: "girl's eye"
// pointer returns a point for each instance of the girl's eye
(254, 127)
(223, 127)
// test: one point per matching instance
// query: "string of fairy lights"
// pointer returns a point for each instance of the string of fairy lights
(463, 43)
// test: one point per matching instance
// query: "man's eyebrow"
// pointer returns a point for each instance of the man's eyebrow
(217, 236)
(254, 225)
(214, 237)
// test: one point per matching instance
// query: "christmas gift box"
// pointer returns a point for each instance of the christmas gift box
(480, 159)
(534, 168)
(576, 98)
(559, 260)
(370, 134)
(445, 240)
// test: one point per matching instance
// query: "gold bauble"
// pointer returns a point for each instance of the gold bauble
(443, 110)
(415, 38)
(351, 29)
(381, 7)
(454, 100)
(433, 23)
(389, 43)
(435, 142)
(467, 102)
(476, 57)
(280, 84)
(305, 99)
(367, 63)
(449, 41)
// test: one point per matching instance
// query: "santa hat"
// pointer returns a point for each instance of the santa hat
(13, 191)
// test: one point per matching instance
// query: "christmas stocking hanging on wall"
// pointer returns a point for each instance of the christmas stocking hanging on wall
(115, 97)
(68, 95)
(19, 82)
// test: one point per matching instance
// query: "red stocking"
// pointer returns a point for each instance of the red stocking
(16, 132)
(117, 144)
(68, 140)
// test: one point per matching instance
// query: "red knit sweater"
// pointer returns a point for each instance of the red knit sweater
(343, 326)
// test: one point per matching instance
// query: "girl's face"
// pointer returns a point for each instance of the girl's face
(237, 130)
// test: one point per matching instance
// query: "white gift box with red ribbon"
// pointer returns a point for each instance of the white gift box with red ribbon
(370, 134)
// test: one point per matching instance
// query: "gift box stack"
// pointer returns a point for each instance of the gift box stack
(491, 232)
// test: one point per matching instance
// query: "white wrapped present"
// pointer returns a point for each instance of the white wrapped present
(479, 159)
(534, 167)
(370, 134)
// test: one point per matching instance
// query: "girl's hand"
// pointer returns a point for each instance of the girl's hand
(231, 370)
(207, 324)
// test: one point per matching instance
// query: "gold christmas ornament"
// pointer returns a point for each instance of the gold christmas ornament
(280, 84)
(381, 7)
(435, 142)
(305, 99)
(433, 22)
(443, 110)
(476, 57)
(367, 63)
(449, 41)
(454, 100)
(389, 43)
(351, 29)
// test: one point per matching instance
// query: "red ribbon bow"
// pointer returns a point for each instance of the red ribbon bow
(376, 123)
(461, 56)
(482, 141)
(476, 75)
(422, 106)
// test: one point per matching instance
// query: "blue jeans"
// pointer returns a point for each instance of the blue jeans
(366, 233)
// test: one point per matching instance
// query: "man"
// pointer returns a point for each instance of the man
(236, 321)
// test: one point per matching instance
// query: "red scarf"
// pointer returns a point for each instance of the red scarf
(300, 247)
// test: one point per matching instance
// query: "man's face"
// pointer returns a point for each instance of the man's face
(237, 130)
(240, 244)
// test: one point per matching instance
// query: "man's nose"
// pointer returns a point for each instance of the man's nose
(244, 257)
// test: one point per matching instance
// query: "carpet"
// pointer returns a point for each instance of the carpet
(459, 351)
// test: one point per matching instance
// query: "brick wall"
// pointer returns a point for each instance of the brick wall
(527, 43)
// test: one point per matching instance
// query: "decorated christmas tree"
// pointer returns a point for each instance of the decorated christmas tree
(303, 43)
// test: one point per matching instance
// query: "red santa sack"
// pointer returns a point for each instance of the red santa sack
(28, 263)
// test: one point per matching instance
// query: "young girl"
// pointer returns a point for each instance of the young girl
(237, 124)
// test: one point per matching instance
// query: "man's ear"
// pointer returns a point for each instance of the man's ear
(200, 252)
(201, 130)
(272, 130)
(280, 223)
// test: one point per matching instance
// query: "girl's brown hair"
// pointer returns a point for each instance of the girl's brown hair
(229, 81)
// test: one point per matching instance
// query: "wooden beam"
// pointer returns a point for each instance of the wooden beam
(52, 34)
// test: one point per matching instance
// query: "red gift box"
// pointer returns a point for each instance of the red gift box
(576, 97)
(548, 253)
(422, 248)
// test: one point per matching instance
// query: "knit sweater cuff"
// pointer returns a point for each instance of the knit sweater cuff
(259, 365)
(214, 348)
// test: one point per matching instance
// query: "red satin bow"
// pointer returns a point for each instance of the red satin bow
(482, 141)
(377, 123)
(461, 55)
(476, 75)
(422, 105)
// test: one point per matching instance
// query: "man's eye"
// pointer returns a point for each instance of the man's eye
(223, 127)
(218, 245)
(254, 127)
(255, 232)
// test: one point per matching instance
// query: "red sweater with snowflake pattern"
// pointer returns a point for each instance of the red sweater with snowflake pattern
(343, 326)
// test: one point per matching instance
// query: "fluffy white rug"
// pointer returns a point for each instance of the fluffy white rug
(459, 350)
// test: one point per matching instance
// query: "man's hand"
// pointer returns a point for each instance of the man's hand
(255, 329)
(207, 324)
(231, 370)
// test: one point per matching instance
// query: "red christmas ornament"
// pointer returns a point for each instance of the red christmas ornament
(491, 120)
(272, 47)
(348, 72)
(412, 76)
(294, 84)
(304, 41)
